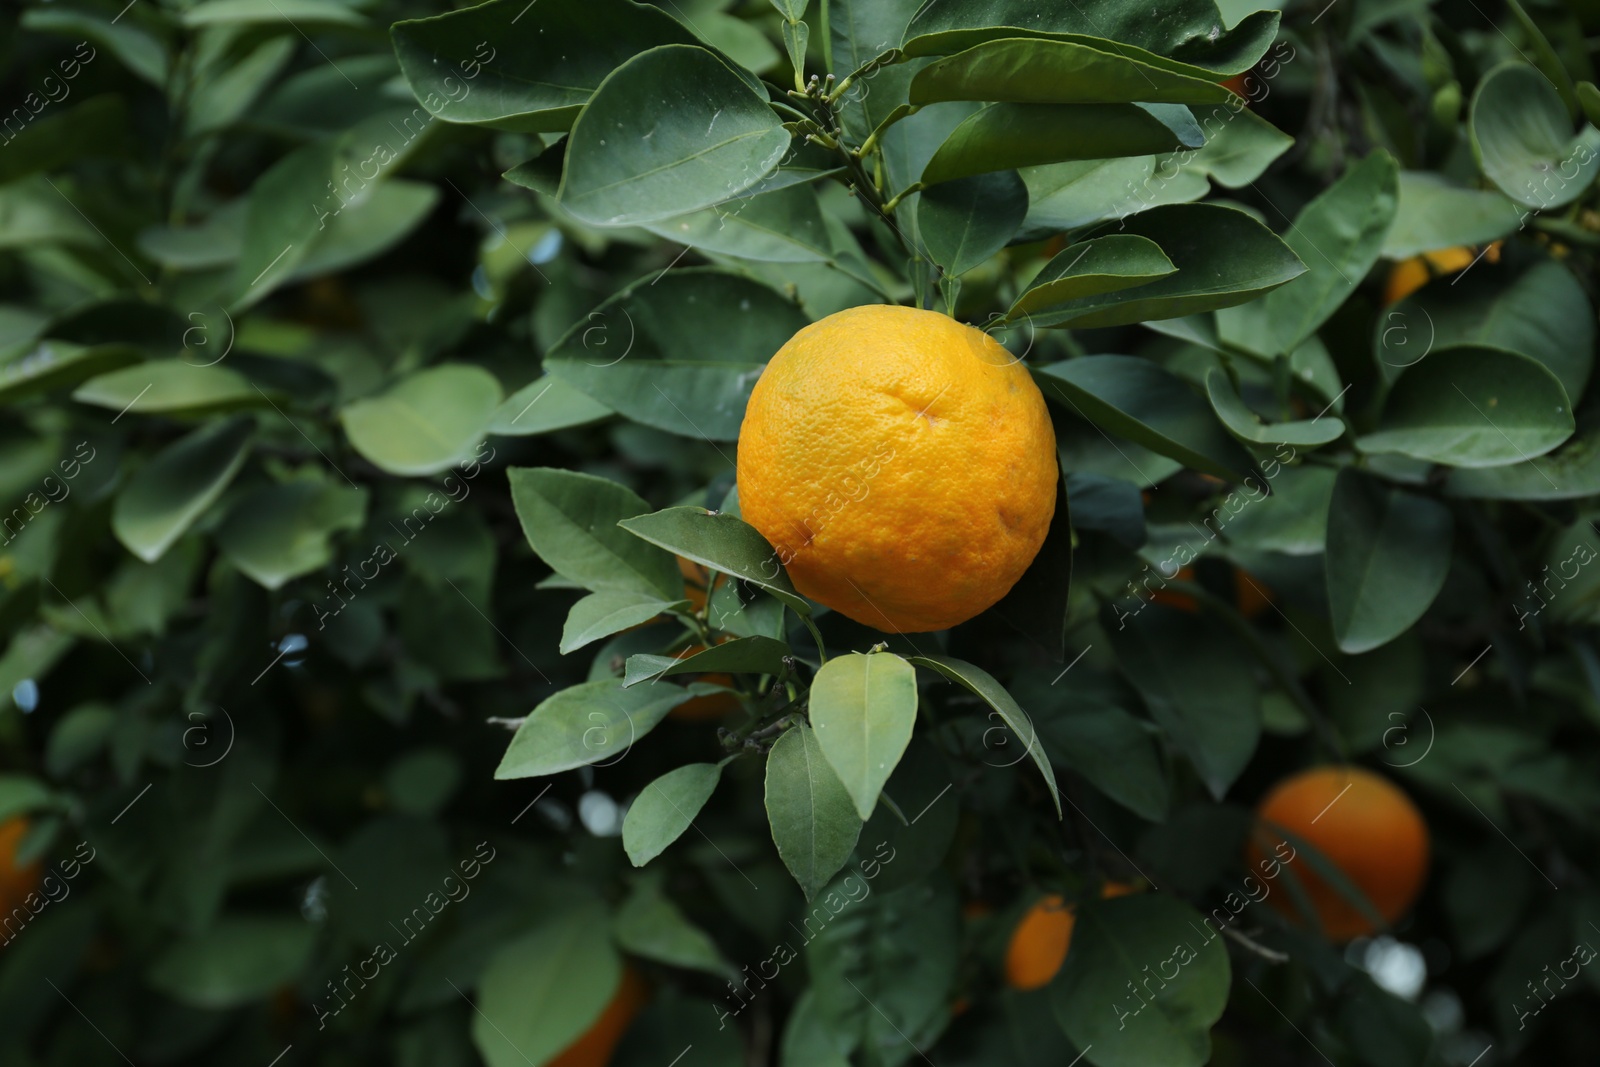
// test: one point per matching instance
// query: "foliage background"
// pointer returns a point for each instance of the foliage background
(232, 377)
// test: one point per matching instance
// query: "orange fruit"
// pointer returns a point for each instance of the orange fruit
(1250, 595)
(1409, 275)
(1040, 942)
(1181, 601)
(595, 1045)
(16, 881)
(902, 465)
(1365, 826)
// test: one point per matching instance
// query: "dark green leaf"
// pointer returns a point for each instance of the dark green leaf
(1523, 141)
(31, 368)
(671, 131)
(1473, 406)
(745, 655)
(279, 532)
(97, 127)
(1085, 727)
(981, 683)
(650, 926)
(722, 543)
(1137, 399)
(1246, 425)
(964, 222)
(1089, 268)
(1388, 553)
(594, 722)
(781, 226)
(1434, 214)
(1037, 71)
(1009, 135)
(1199, 688)
(237, 961)
(571, 519)
(1104, 998)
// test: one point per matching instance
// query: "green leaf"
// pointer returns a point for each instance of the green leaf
(1239, 147)
(1523, 141)
(543, 406)
(722, 543)
(1199, 688)
(813, 820)
(1084, 726)
(29, 369)
(1069, 196)
(911, 842)
(1435, 214)
(609, 611)
(1224, 257)
(1247, 426)
(21, 794)
(170, 387)
(235, 962)
(1571, 471)
(1009, 135)
(1294, 519)
(863, 708)
(593, 722)
(1190, 31)
(97, 127)
(982, 684)
(139, 51)
(279, 532)
(744, 655)
(1039, 605)
(781, 226)
(680, 351)
(571, 519)
(359, 231)
(222, 12)
(425, 423)
(964, 222)
(1541, 311)
(1588, 96)
(649, 925)
(281, 223)
(165, 496)
(664, 809)
(1139, 400)
(1089, 268)
(1473, 406)
(510, 66)
(1104, 998)
(1338, 237)
(542, 990)
(1388, 554)
(1034, 71)
(670, 131)
(864, 30)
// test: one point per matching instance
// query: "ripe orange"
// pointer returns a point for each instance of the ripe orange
(1366, 827)
(1040, 942)
(902, 464)
(1409, 275)
(16, 882)
(594, 1047)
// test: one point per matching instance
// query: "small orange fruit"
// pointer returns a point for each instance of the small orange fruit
(1040, 942)
(1365, 826)
(1409, 275)
(594, 1047)
(902, 464)
(16, 881)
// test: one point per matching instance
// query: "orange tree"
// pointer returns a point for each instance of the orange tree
(468, 595)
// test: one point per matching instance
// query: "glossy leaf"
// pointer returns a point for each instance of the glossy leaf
(1089, 268)
(167, 494)
(1473, 407)
(813, 820)
(1009, 135)
(722, 543)
(1139, 400)
(1433, 213)
(1224, 257)
(1034, 71)
(511, 66)
(1338, 236)
(427, 422)
(781, 226)
(744, 655)
(664, 809)
(862, 709)
(1016, 721)
(1247, 426)
(1523, 140)
(609, 611)
(962, 223)
(680, 352)
(545, 405)
(593, 722)
(1388, 554)
(671, 131)
(571, 519)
